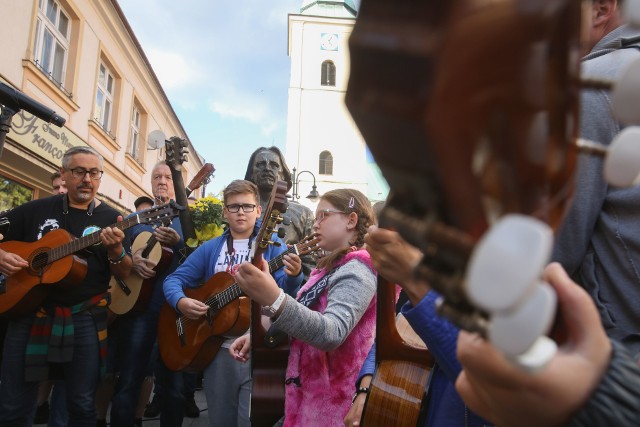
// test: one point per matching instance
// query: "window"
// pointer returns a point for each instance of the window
(326, 163)
(51, 43)
(104, 98)
(134, 134)
(13, 194)
(328, 74)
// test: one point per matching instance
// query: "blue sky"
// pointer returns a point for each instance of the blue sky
(225, 69)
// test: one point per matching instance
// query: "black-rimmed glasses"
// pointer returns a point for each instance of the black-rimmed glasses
(246, 208)
(80, 173)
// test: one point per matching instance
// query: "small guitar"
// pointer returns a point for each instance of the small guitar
(52, 261)
(135, 292)
(190, 345)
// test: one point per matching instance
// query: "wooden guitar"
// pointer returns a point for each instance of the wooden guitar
(190, 345)
(470, 110)
(268, 362)
(403, 365)
(134, 293)
(52, 261)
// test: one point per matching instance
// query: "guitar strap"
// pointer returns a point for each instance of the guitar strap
(65, 206)
(312, 294)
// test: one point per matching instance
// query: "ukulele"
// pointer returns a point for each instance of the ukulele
(52, 261)
(134, 292)
(470, 110)
(184, 343)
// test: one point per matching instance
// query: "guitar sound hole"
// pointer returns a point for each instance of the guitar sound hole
(39, 261)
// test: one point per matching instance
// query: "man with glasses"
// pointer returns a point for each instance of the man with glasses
(267, 165)
(227, 384)
(65, 337)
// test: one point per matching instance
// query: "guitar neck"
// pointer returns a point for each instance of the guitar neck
(233, 292)
(149, 246)
(84, 242)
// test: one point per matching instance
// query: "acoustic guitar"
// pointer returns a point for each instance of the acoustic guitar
(52, 261)
(190, 345)
(134, 292)
(470, 110)
(268, 362)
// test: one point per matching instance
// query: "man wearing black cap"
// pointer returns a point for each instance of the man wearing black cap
(142, 203)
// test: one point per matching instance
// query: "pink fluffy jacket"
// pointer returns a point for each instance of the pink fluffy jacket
(327, 378)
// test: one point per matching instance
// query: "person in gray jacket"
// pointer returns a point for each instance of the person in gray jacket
(599, 241)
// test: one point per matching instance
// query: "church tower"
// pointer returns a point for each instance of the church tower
(321, 135)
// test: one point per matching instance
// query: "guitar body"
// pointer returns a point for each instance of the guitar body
(268, 373)
(26, 289)
(202, 337)
(140, 289)
(403, 364)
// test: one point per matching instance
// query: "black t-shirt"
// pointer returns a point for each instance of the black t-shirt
(31, 221)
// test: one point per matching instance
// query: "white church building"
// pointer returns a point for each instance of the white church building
(322, 138)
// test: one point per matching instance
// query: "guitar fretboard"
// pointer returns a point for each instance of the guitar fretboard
(221, 299)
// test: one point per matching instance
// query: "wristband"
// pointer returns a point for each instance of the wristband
(358, 391)
(271, 310)
(120, 258)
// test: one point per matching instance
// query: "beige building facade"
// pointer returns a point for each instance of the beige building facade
(81, 59)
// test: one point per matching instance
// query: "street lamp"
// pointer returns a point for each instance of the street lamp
(313, 195)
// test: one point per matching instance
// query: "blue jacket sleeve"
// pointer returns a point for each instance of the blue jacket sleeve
(290, 284)
(191, 273)
(369, 365)
(438, 333)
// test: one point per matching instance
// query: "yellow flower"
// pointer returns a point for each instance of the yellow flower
(207, 220)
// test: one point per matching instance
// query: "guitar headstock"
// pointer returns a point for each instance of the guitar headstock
(202, 177)
(481, 101)
(271, 217)
(308, 245)
(175, 152)
(162, 214)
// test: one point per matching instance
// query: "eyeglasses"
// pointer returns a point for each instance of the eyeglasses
(80, 173)
(246, 208)
(322, 215)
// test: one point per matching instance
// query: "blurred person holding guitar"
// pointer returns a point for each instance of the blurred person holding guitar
(395, 260)
(227, 384)
(136, 331)
(331, 321)
(70, 324)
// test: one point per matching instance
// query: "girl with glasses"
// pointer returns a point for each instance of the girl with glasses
(332, 319)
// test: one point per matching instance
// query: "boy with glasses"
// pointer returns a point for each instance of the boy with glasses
(227, 384)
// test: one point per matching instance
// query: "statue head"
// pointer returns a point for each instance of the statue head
(267, 165)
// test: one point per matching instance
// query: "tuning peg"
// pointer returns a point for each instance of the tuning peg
(622, 157)
(625, 91)
(506, 263)
(625, 95)
(516, 330)
(622, 165)
(631, 11)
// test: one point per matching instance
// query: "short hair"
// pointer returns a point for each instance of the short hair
(79, 149)
(55, 175)
(285, 169)
(241, 186)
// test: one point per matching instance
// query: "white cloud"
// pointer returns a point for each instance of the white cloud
(174, 70)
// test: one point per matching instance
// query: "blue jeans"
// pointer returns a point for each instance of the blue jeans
(135, 339)
(18, 401)
(58, 414)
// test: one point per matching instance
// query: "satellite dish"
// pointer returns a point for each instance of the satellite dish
(156, 139)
